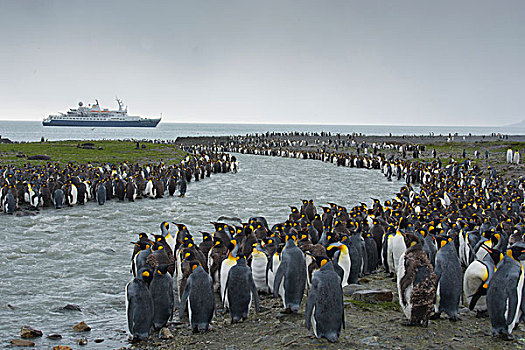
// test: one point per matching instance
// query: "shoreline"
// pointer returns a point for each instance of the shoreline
(497, 147)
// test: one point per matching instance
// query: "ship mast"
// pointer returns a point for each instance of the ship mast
(119, 103)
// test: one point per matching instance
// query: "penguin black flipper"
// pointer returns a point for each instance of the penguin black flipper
(512, 303)
(278, 278)
(437, 271)
(310, 302)
(225, 295)
(129, 308)
(184, 298)
(337, 268)
(343, 316)
(479, 293)
(255, 295)
(269, 266)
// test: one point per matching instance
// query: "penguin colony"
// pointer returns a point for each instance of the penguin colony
(56, 186)
(457, 237)
(241, 261)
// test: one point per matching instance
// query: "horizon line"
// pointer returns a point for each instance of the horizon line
(312, 124)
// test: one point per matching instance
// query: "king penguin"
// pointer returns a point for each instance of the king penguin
(504, 294)
(140, 255)
(292, 274)
(166, 232)
(139, 305)
(259, 264)
(342, 259)
(398, 247)
(416, 282)
(10, 204)
(477, 279)
(161, 289)
(240, 291)
(449, 276)
(325, 312)
(226, 265)
(198, 294)
(101, 193)
(273, 263)
(58, 198)
(371, 253)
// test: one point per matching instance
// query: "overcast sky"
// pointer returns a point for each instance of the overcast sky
(324, 62)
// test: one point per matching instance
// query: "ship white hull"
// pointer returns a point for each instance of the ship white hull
(148, 123)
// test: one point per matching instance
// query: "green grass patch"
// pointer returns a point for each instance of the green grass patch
(385, 305)
(104, 152)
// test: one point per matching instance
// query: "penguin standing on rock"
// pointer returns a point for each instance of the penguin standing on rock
(240, 291)
(416, 283)
(292, 274)
(139, 305)
(199, 297)
(325, 312)
(449, 276)
(504, 294)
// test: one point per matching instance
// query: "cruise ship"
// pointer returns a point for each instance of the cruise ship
(94, 116)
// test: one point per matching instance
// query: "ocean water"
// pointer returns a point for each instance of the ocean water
(34, 131)
(81, 255)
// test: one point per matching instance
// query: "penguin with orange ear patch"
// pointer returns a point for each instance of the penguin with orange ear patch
(449, 278)
(139, 305)
(477, 277)
(199, 298)
(324, 307)
(161, 289)
(505, 293)
(240, 291)
(292, 274)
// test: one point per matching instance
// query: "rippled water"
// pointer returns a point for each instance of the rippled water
(81, 255)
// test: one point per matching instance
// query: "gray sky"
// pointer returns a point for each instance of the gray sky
(324, 62)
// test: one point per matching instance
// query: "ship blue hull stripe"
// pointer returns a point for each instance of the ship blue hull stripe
(94, 123)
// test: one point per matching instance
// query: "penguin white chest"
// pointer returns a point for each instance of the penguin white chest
(407, 306)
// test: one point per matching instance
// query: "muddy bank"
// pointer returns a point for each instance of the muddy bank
(368, 326)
